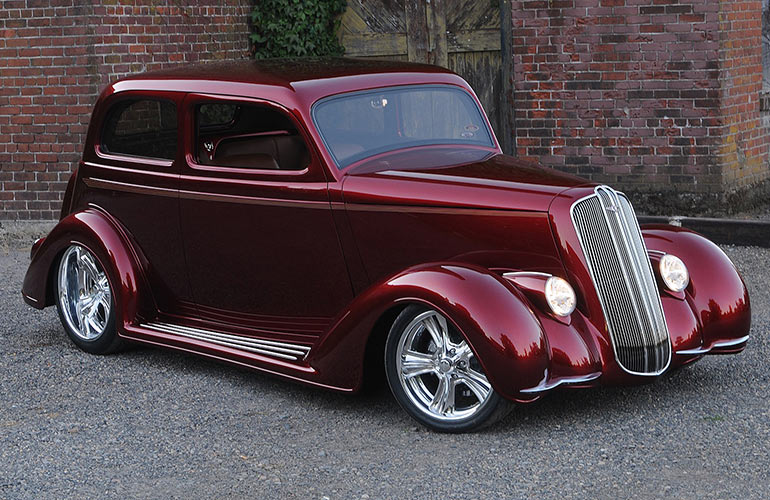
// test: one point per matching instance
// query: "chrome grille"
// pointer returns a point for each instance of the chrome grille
(620, 268)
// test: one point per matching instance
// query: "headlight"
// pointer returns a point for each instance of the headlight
(560, 296)
(674, 272)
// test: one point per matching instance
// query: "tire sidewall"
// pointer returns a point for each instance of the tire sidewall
(478, 420)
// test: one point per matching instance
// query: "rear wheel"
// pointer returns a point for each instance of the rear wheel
(435, 376)
(85, 301)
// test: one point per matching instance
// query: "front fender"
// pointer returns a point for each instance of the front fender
(124, 266)
(716, 294)
(493, 315)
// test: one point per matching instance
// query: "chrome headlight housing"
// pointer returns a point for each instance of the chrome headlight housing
(560, 296)
(674, 273)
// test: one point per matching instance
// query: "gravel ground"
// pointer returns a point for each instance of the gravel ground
(151, 423)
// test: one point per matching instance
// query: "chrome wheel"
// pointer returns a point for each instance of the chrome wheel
(85, 298)
(438, 371)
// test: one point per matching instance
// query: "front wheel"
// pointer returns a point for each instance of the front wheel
(435, 376)
(85, 301)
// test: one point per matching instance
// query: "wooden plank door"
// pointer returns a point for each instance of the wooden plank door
(462, 35)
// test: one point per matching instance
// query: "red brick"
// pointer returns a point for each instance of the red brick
(48, 81)
(639, 72)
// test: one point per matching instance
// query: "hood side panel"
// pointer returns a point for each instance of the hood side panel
(394, 238)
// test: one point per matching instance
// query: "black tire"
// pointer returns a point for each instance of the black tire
(410, 395)
(107, 340)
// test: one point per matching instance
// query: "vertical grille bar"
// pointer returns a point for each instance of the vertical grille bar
(617, 260)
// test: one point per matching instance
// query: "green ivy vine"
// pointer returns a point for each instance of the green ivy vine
(296, 28)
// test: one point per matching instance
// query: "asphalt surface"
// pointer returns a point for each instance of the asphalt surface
(152, 423)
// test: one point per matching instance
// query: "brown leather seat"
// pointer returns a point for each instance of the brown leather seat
(287, 151)
(256, 161)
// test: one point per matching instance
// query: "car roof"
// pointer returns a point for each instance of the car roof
(288, 71)
(306, 78)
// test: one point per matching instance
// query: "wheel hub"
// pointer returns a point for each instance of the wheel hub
(436, 372)
(84, 293)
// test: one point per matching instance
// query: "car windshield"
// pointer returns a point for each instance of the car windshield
(358, 125)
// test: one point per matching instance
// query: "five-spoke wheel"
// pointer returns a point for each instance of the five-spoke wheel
(85, 301)
(435, 375)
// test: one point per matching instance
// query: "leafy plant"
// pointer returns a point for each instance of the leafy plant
(290, 28)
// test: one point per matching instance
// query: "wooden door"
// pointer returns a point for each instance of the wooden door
(462, 35)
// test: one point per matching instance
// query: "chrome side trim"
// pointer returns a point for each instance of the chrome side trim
(524, 274)
(715, 345)
(127, 187)
(546, 385)
(449, 178)
(282, 350)
(29, 298)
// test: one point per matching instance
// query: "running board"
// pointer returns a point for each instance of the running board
(271, 348)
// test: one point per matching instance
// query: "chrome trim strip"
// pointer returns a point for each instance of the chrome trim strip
(134, 170)
(252, 200)
(548, 385)
(272, 348)
(417, 209)
(637, 303)
(449, 178)
(30, 298)
(729, 343)
(715, 345)
(524, 274)
(128, 187)
(697, 350)
(250, 339)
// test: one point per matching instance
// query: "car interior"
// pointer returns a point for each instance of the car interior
(248, 136)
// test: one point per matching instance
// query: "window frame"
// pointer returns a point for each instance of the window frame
(103, 153)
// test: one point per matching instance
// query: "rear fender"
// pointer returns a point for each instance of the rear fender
(104, 237)
(495, 318)
(68, 194)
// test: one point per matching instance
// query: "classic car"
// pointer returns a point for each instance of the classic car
(323, 220)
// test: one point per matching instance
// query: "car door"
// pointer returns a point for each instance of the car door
(261, 245)
(133, 174)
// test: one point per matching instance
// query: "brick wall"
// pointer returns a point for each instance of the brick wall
(744, 145)
(659, 97)
(57, 55)
(654, 96)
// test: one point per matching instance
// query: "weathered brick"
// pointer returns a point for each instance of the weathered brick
(669, 82)
(54, 60)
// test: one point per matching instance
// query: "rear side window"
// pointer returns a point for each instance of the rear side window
(141, 127)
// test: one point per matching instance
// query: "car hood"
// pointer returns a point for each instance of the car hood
(455, 177)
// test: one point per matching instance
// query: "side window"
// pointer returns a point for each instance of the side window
(248, 136)
(141, 127)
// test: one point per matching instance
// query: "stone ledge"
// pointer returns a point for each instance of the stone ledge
(727, 231)
(716, 204)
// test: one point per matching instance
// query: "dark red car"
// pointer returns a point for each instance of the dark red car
(315, 219)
